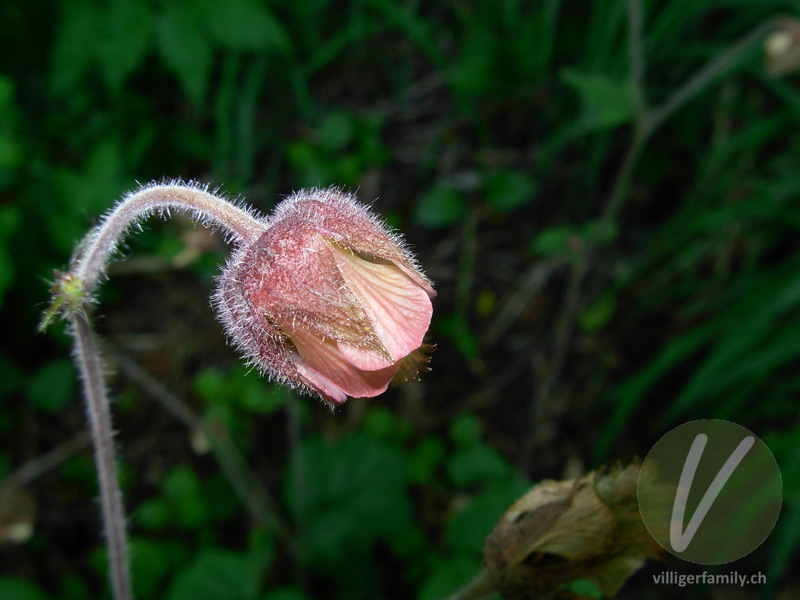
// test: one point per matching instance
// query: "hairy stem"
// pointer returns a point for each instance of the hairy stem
(97, 407)
(90, 261)
(73, 291)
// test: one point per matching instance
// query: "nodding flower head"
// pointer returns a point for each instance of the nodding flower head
(327, 300)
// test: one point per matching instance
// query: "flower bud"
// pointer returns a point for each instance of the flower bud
(327, 299)
(587, 528)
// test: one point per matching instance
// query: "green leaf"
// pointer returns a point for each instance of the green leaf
(73, 52)
(185, 48)
(508, 190)
(257, 396)
(457, 329)
(217, 575)
(627, 396)
(425, 459)
(555, 241)
(212, 386)
(10, 153)
(336, 130)
(243, 25)
(584, 588)
(182, 487)
(466, 430)
(153, 514)
(7, 93)
(16, 588)
(468, 528)
(448, 576)
(599, 313)
(476, 465)
(347, 494)
(286, 593)
(606, 103)
(151, 562)
(440, 206)
(127, 27)
(53, 386)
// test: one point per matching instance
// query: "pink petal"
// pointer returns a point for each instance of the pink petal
(325, 369)
(399, 308)
(364, 358)
(418, 279)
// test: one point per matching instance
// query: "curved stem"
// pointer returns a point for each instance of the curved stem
(97, 408)
(88, 266)
(91, 259)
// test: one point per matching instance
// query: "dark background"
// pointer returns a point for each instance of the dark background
(584, 308)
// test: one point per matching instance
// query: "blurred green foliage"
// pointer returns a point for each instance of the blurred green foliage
(493, 134)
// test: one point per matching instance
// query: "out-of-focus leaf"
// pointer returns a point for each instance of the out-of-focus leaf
(127, 27)
(347, 494)
(457, 329)
(448, 576)
(183, 489)
(53, 386)
(599, 313)
(336, 130)
(16, 588)
(218, 575)
(605, 103)
(585, 589)
(185, 47)
(555, 241)
(287, 593)
(476, 465)
(243, 25)
(425, 458)
(151, 563)
(466, 430)
(508, 190)
(468, 527)
(73, 53)
(440, 206)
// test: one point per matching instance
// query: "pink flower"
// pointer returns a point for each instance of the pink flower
(327, 300)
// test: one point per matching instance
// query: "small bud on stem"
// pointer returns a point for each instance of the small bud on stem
(559, 531)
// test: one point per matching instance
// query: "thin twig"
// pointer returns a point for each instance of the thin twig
(99, 413)
(47, 461)
(647, 121)
(708, 74)
(563, 338)
(245, 483)
(527, 286)
(622, 184)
